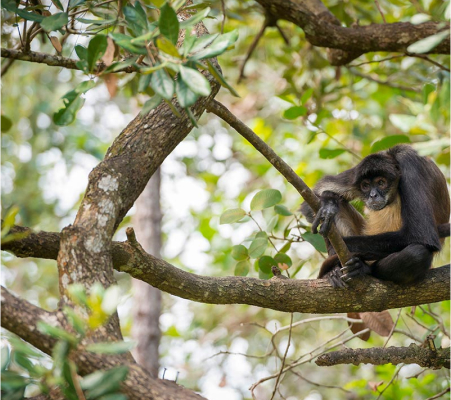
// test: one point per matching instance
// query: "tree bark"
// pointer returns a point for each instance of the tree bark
(147, 299)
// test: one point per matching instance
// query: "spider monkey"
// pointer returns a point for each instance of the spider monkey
(407, 209)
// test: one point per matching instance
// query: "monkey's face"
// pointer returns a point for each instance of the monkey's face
(376, 192)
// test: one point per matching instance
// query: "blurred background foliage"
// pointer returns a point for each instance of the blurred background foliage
(320, 119)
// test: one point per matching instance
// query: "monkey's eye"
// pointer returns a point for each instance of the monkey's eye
(365, 186)
(382, 183)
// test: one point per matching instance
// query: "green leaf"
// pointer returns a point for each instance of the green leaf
(77, 294)
(110, 347)
(185, 96)
(77, 322)
(136, 18)
(162, 84)
(195, 81)
(295, 112)
(272, 223)
(75, 3)
(6, 358)
(428, 88)
(103, 382)
(231, 216)
(196, 18)
(72, 103)
(25, 363)
(150, 104)
(388, 141)
(166, 46)
(202, 42)
(265, 263)
(403, 121)
(96, 49)
(258, 247)
(242, 268)
(219, 46)
(239, 252)
(191, 117)
(143, 39)
(144, 81)
(285, 247)
(330, 153)
(427, 44)
(218, 76)
(282, 210)
(120, 65)
(150, 70)
(126, 43)
(306, 95)
(84, 86)
(265, 198)
(54, 22)
(56, 332)
(10, 5)
(298, 268)
(282, 258)
(316, 241)
(6, 123)
(168, 23)
(58, 4)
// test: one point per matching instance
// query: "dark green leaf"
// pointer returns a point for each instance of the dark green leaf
(162, 84)
(219, 46)
(285, 247)
(144, 81)
(195, 81)
(389, 141)
(75, 3)
(306, 95)
(150, 104)
(168, 23)
(58, 4)
(231, 216)
(316, 241)
(295, 112)
(283, 259)
(125, 42)
(195, 19)
(265, 264)
(72, 103)
(6, 123)
(96, 49)
(10, 5)
(84, 86)
(110, 347)
(239, 252)
(54, 22)
(265, 198)
(218, 76)
(242, 268)
(185, 96)
(330, 153)
(428, 88)
(282, 210)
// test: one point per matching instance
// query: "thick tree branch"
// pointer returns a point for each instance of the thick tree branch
(413, 354)
(20, 317)
(53, 60)
(322, 29)
(307, 194)
(288, 295)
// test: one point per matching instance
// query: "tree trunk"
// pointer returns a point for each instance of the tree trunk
(146, 311)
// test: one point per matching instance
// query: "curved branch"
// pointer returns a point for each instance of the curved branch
(322, 29)
(307, 194)
(20, 317)
(288, 295)
(413, 354)
(54, 60)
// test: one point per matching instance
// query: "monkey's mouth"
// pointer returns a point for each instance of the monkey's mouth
(376, 205)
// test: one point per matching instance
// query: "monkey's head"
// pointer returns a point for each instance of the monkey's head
(376, 179)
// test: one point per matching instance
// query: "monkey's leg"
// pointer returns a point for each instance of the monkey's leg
(406, 266)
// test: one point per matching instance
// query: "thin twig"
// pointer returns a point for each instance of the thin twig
(375, 61)
(380, 11)
(389, 383)
(426, 58)
(283, 359)
(392, 329)
(386, 83)
(438, 395)
(319, 384)
(252, 48)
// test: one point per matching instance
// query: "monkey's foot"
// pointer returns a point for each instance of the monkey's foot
(335, 278)
(354, 268)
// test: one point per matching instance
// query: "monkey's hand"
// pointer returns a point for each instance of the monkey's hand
(326, 214)
(354, 268)
(335, 278)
